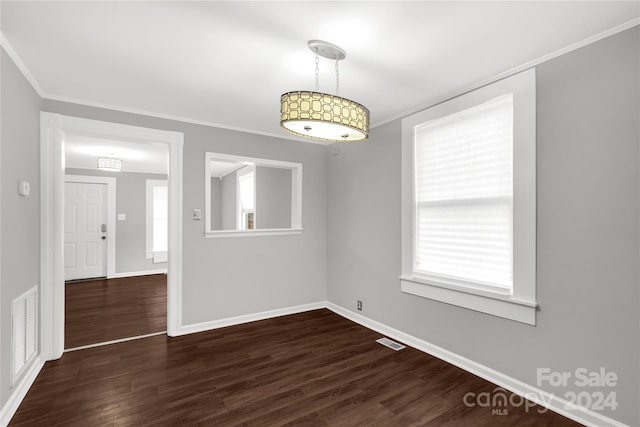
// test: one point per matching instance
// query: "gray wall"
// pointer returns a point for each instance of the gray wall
(131, 234)
(273, 197)
(20, 216)
(228, 203)
(587, 235)
(232, 276)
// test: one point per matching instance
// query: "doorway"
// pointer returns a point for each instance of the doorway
(128, 300)
(55, 130)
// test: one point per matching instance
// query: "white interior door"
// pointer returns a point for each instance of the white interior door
(85, 253)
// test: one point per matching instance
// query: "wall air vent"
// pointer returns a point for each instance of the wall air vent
(24, 323)
(391, 344)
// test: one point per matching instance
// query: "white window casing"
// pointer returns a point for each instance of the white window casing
(296, 197)
(469, 200)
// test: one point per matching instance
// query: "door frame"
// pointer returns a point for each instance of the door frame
(110, 182)
(53, 130)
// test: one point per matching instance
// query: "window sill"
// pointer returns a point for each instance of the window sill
(497, 303)
(250, 233)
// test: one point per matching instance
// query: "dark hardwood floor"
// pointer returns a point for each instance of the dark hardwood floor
(314, 368)
(109, 309)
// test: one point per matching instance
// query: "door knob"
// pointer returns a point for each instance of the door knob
(104, 237)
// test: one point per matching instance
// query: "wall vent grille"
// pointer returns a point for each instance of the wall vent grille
(24, 324)
(391, 344)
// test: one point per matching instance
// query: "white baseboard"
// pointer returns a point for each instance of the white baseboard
(20, 391)
(548, 400)
(138, 273)
(230, 321)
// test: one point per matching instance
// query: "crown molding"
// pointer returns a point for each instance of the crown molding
(173, 117)
(21, 66)
(477, 85)
(585, 42)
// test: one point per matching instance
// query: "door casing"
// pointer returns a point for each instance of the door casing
(53, 131)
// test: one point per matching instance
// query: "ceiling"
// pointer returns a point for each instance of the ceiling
(83, 152)
(227, 63)
(220, 169)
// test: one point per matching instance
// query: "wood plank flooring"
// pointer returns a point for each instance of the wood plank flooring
(109, 309)
(312, 369)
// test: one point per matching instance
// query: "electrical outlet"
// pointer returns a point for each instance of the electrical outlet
(24, 188)
(359, 305)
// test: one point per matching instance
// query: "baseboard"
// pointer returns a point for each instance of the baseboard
(548, 400)
(230, 321)
(138, 273)
(20, 391)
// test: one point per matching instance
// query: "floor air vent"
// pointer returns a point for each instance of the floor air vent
(391, 344)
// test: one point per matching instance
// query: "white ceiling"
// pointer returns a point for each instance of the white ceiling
(227, 63)
(83, 152)
(220, 169)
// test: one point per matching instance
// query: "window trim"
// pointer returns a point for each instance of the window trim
(149, 253)
(520, 303)
(296, 196)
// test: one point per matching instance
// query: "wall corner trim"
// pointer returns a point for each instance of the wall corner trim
(548, 400)
(20, 391)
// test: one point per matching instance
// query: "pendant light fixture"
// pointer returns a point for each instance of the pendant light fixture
(318, 115)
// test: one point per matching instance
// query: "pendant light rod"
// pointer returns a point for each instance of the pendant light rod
(317, 73)
(337, 78)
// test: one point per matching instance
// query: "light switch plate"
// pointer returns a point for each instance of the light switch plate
(122, 217)
(197, 214)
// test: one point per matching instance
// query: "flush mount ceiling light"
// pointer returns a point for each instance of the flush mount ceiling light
(317, 115)
(109, 164)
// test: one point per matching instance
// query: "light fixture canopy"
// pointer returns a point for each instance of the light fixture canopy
(109, 164)
(322, 116)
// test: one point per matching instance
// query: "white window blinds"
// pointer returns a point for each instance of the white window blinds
(464, 195)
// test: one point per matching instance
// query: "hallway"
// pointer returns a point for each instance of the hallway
(110, 309)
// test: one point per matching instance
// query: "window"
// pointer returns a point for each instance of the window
(157, 220)
(468, 230)
(246, 198)
(464, 194)
(251, 196)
